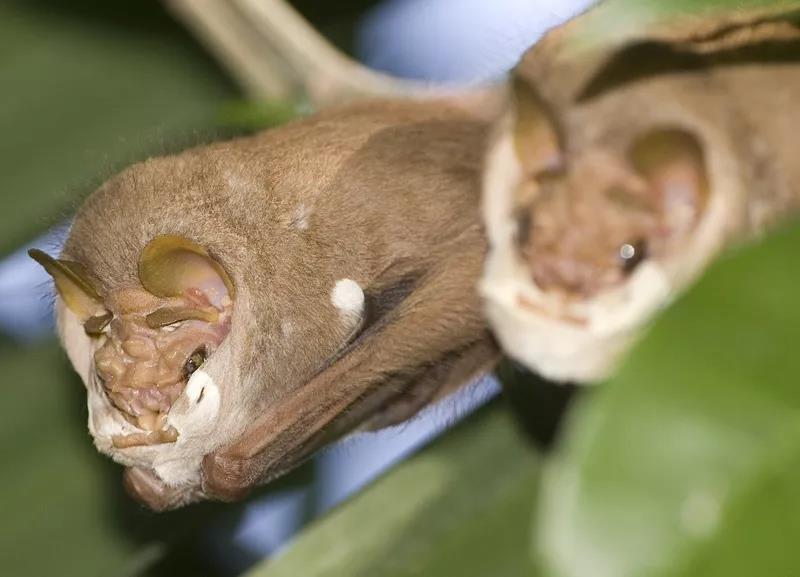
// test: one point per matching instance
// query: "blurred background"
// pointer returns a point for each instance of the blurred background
(87, 88)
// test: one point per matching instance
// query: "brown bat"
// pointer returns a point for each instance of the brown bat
(235, 307)
(625, 165)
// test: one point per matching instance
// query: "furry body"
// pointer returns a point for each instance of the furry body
(378, 198)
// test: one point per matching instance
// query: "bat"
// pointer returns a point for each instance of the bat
(235, 307)
(274, 293)
(626, 162)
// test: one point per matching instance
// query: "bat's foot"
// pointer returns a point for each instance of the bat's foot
(144, 486)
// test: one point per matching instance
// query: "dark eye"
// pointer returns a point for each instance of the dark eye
(631, 255)
(193, 362)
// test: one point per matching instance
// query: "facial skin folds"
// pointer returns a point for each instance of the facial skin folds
(145, 368)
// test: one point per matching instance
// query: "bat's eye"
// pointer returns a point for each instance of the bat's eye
(193, 362)
(631, 255)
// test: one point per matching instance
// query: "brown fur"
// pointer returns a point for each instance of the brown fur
(389, 193)
(733, 86)
(634, 152)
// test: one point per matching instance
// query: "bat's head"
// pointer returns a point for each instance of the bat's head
(585, 228)
(584, 237)
(195, 291)
(141, 349)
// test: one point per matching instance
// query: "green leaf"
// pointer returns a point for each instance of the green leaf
(461, 508)
(53, 490)
(87, 89)
(249, 114)
(63, 508)
(687, 462)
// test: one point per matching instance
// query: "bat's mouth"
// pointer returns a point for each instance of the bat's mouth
(146, 408)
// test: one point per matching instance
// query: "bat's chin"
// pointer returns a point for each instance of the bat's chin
(575, 341)
(172, 443)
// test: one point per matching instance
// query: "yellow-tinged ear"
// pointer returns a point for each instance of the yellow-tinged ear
(170, 265)
(73, 285)
(673, 162)
(535, 137)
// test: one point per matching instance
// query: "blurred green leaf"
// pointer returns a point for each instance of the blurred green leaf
(87, 89)
(687, 462)
(248, 114)
(52, 488)
(461, 508)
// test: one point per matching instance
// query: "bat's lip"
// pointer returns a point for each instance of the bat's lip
(164, 426)
(145, 438)
(580, 320)
(152, 427)
(127, 432)
(135, 404)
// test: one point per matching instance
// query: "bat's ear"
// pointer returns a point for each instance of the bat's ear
(536, 139)
(672, 161)
(170, 265)
(75, 288)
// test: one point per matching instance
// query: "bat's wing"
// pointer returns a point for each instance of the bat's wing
(424, 340)
(424, 336)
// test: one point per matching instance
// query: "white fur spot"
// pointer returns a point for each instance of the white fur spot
(300, 217)
(348, 297)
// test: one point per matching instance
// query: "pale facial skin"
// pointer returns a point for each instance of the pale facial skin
(144, 368)
(585, 223)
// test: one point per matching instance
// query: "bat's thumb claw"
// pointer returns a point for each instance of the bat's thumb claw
(227, 478)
